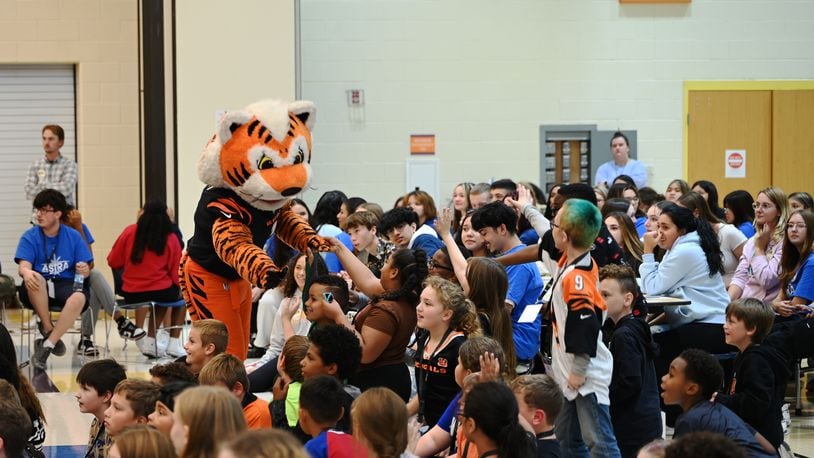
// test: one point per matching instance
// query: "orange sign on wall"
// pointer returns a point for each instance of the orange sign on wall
(422, 144)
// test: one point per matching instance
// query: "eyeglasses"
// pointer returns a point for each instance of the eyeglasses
(434, 265)
(45, 210)
(763, 206)
(798, 226)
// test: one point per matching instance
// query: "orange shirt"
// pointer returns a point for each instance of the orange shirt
(471, 452)
(257, 414)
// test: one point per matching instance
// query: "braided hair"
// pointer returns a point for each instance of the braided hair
(412, 268)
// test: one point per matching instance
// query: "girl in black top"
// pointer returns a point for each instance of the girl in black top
(446, 318)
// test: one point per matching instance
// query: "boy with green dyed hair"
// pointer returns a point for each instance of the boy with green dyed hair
(581, 364)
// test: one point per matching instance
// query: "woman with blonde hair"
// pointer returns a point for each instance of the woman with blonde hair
(380, 423)
(446, 318)
(205, 416)
(460, 204)
(140, 441)
(758, 272)
(264, 443)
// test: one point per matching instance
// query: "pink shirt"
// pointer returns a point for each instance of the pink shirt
(758, 275)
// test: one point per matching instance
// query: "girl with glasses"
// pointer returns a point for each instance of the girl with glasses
(757, 272)
(797, 267)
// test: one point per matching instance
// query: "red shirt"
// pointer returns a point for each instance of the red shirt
(154, 272)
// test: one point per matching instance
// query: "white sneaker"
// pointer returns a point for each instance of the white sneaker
(163, 341)
(147, 347)
(175, 348)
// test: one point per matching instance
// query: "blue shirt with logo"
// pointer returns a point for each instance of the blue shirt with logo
(525, 286)
(53, 257)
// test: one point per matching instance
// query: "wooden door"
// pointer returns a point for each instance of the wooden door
(722, 120)
(793, 140)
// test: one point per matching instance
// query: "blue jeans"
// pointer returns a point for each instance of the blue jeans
(585, 425)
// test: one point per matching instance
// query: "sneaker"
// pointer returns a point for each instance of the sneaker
(40, 356)
(59, 347)
(147, 347)
(86, 348)
(128, 330)
(175, 348)
(256, 352)
(163, 338)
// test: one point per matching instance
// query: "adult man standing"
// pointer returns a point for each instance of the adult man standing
(621, 164)
(54, 171)
(50, 255)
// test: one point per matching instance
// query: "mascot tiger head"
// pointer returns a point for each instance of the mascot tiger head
(262, 152)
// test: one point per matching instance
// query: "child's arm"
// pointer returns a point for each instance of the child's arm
(627, 375)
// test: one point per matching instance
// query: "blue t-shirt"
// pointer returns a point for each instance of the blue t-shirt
(525, 286)
(802, 285)
(529, 237)
(747, 228)
(53, 257)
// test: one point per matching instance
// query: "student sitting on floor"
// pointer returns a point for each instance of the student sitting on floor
(227, 371)
(285, 405)
(758, 383)
(162, 374)
(132, 401)
(334, 350)
(321, 407)
(207, 339)
(96, 382)
(162, 417)
(540, 399)
(693, 378)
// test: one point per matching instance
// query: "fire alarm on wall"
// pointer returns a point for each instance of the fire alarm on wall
(356, 97)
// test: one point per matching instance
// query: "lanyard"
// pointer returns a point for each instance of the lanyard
(559, 275)
(50, 257)
(422, 381)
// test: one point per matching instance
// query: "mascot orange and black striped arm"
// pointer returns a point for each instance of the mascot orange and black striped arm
(259, 158)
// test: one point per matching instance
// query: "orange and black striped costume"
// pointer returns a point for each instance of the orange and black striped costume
(259, 158)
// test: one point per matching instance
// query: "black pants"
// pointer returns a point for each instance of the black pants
(262, 379)
(393, 376)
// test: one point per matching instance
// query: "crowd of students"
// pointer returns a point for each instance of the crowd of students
(434, 314)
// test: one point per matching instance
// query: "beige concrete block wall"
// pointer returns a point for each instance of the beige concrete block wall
(100, 37)
(483, 75)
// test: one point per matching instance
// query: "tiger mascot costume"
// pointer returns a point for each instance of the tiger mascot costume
(254, 164)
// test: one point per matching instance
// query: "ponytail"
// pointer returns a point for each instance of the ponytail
(515, 441)
(711, 247)
(684, 220)
(412, 267)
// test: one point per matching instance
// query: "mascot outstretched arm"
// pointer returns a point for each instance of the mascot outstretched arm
(259, 158)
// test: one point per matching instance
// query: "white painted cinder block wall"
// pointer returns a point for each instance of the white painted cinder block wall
(484, 75)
